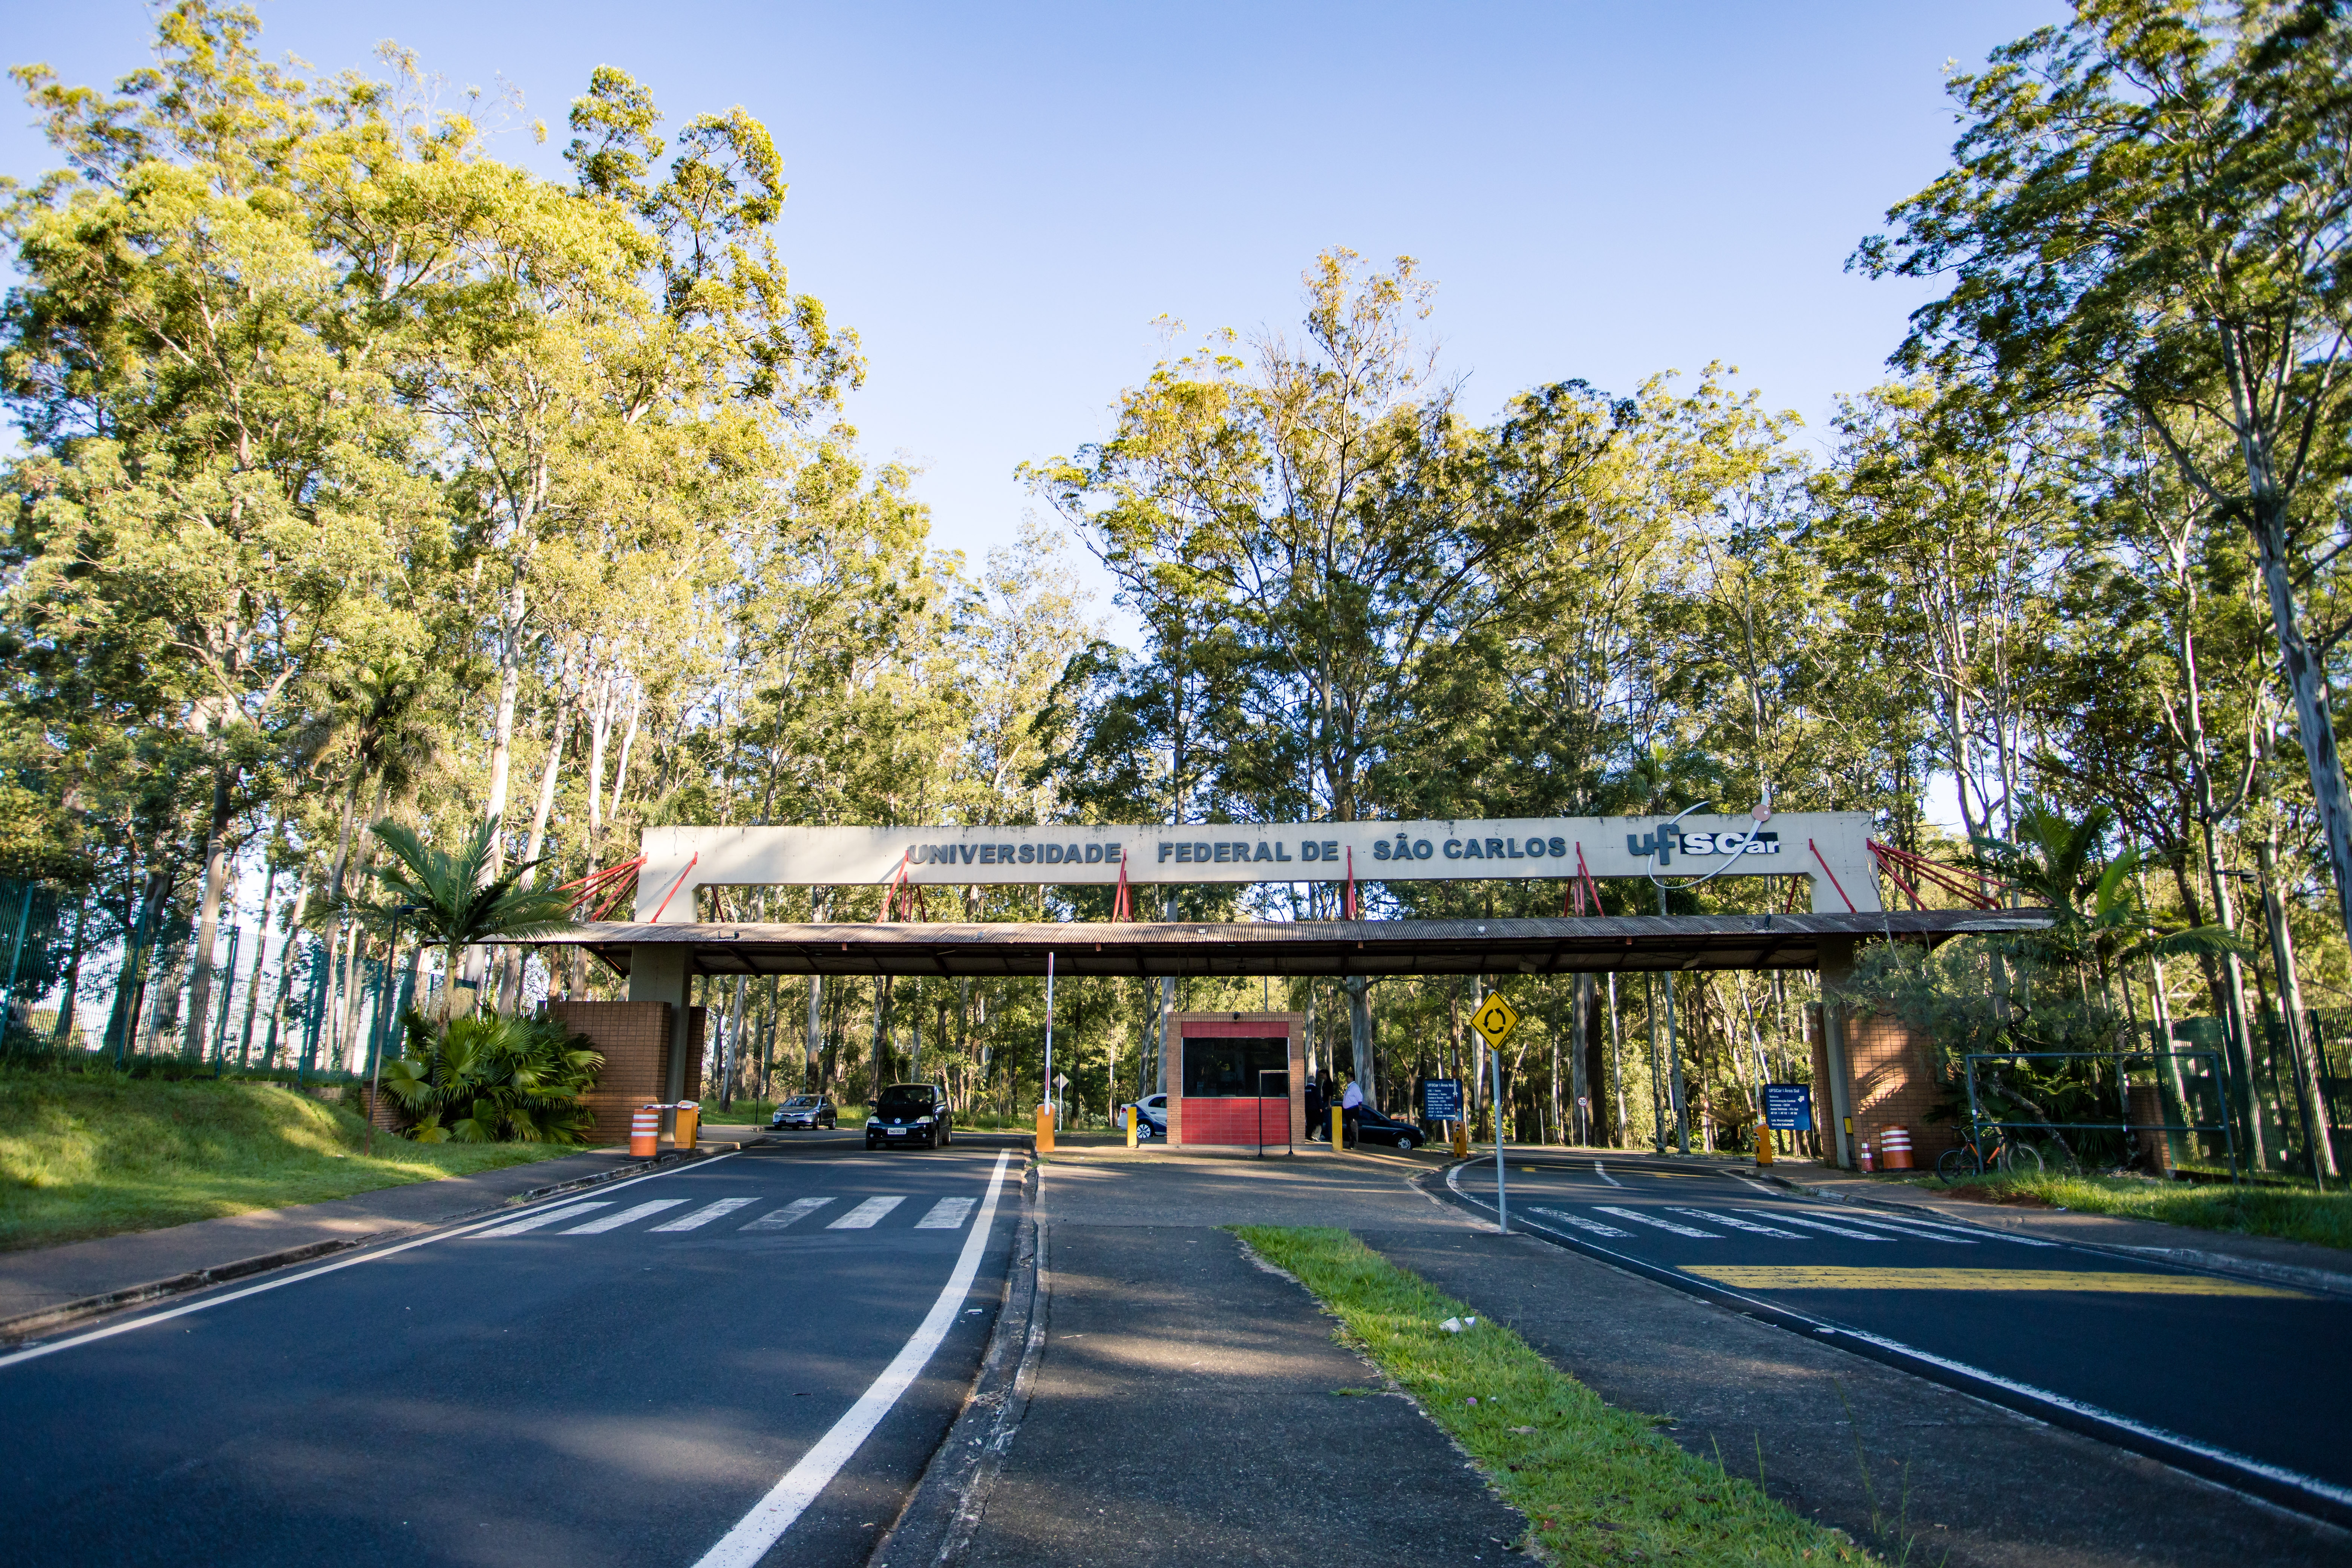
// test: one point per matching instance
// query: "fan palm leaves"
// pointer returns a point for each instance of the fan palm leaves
(2099, 918)
(487, 1077)
(450, 897)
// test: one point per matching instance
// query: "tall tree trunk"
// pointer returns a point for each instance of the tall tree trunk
(1360, 1038)
(61, 1036)
(260, 952)
(286, 967)
(813, 1078)
(2247, 1107)
(510, 978)
(2298, 1029)
(200, 990)
(1580, 1092)
(881, 1037)
(2307, 678)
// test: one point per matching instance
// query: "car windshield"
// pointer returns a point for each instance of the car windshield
(800, 1103)
(905, 1096)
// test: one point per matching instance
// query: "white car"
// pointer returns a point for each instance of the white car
(1152, 1123)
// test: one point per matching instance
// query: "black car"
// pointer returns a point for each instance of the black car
(909, 1113)
(810, 1110)
(1371, 1127)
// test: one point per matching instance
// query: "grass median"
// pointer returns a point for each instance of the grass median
(1598, 1484)
(2288, 1213)
(86, 1155)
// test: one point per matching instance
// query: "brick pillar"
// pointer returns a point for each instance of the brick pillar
(635, 1040)
(1893, 1085)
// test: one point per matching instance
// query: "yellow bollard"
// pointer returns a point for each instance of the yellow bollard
(1130, 1126)
(1044, 1130)
(1339, 1127)
(1763, 1147)
(689, 1124)
(1461, 1141)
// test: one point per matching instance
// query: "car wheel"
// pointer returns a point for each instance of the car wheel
(1405, 1145)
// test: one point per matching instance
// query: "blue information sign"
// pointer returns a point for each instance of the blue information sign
(1441, 1099)
(1788, 1107)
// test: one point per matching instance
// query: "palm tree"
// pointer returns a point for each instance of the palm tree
(448, 896)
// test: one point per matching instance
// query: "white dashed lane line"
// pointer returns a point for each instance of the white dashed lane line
(626, 1216)
(704, 1215)
(791, 1214)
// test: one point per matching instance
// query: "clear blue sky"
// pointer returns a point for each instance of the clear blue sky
(1002, 198)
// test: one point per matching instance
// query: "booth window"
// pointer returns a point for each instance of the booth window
(1218, 1067)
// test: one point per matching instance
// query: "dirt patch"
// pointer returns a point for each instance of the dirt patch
(2005, 1198)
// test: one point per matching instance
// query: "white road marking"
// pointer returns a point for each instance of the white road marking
(1604, 1175)
(1819, 1224)
(1909, 1224)
(1578, 1220)
(614, 1221)
(772, 1515)
(703, 1216)
(862, 1216)
(1913, 1233)
(798, 1209)
(1639, 1218)
(33, 1353)
(549, 1216)
(1735, 1223)
(945, 1215)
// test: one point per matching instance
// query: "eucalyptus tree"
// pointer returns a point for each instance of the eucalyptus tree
(211, 436)
(2148, 208)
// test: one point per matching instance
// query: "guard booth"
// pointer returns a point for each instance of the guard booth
(1236, 1078)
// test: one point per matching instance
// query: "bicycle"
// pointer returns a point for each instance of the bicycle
(2006, 1153)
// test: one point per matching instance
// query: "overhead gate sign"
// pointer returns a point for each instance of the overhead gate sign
(1831, 848)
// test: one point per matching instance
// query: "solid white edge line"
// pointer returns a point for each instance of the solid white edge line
(32, 1352)
(2279, 1473)
(775, 1513)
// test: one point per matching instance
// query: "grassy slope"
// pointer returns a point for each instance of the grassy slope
(91, 1154)
(2287, 1213)
(1599, 1483)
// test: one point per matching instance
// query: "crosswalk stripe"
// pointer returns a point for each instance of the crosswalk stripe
(627, 1215)
(1910, 1232)
(945, 1215)
(1639, 1218)
(1735, 1223)
(1820, 1225)
(797, 1210)
(1581, 1223)
(1910, 1227)
(704, 1215)
(862, 1216)
(547, 1216)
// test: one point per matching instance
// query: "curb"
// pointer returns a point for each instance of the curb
(944, 1510)
(30, 1325)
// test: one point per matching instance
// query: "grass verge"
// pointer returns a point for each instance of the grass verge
(1597, 1483)
(2283, 1212)
(85, 1155)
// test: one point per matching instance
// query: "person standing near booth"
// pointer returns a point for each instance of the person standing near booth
(1319, 1095)
(1351, 1110)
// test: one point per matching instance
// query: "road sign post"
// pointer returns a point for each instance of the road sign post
(1495, 1020)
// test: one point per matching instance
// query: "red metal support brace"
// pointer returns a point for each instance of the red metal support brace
(1831, 875)
(674, 887)
(1122, 905)
(1579, 889)
(1348, 908)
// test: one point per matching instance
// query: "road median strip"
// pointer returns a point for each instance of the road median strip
(1594, 1481)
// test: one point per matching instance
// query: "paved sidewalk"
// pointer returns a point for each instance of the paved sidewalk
(46, 1278)
(1186, 1405)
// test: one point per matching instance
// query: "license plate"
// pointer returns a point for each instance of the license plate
(894, 1133)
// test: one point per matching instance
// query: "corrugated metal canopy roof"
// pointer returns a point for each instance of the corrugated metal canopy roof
(1278, 948)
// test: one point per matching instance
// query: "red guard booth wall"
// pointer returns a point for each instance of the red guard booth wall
(1231, 1048)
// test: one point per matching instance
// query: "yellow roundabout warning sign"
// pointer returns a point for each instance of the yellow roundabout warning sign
(1495, 1019)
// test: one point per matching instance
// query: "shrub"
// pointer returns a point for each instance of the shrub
(486, 1076)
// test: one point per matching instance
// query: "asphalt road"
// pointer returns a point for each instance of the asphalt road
(622, 1376)
(2242, 1381)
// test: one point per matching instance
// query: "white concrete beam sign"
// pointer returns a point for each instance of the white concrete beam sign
(1829, 847)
